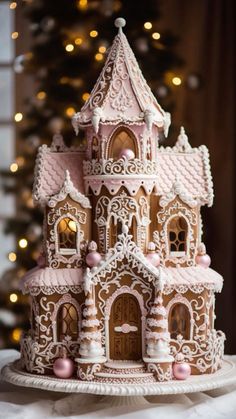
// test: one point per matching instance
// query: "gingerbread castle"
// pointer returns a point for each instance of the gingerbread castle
(124, 284)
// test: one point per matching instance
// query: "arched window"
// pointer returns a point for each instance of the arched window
(177, 234)
(67, 321)
(179, 321)
(115, 230)
(67, 231)
(121, 139)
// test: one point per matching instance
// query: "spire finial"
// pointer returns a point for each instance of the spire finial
(120, 22)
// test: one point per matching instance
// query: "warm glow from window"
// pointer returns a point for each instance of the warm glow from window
(14, 167)
(69, 47)
(23, 243)
(147, 25)
(102, 49)
(93, 34)
(18, 117)
(70, 111)
(13, 5)
(72, 225)
(13, 298)
(78, 41)
(15, 35)
(98, 57)
(12, 257)
(176, 81)
(41, 95)
(85, 96)
(16, 334)
(156, 35)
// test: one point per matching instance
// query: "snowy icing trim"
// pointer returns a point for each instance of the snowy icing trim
(69, 189)
(90, 323)
(177, 190)
(162, 323)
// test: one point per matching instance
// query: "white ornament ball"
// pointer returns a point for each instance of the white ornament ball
(120, 22)
(127, 153)
(154, 259)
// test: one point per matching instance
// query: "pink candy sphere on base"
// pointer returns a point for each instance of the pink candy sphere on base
(181, 369)
(93, 257)
(127, 153)
(63, 367)
(152, 256)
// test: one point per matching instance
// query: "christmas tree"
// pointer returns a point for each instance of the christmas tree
(69, 44)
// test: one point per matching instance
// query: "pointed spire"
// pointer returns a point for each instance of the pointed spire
(58, 143)
(182, 144)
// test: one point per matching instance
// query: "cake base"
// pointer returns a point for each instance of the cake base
(225, 376)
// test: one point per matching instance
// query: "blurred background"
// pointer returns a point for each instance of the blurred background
(51, 53)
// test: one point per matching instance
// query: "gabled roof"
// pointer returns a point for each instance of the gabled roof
(50, 172)
(69, 189)
(121, 94)
(184, 171)
(124, 250)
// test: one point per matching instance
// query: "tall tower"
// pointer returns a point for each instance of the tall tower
(122, 121)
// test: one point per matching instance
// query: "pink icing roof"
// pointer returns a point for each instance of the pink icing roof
(191, 169)
(49, 277)
(121, 93)
(193, 275)
(50, 172)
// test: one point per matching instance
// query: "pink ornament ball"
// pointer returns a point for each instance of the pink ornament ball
(93, 259)
(181, 371)
(63, 368)
(154, 259)
(127, 153)
(203, 260)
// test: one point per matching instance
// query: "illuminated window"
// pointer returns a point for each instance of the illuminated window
(122, 139)
(67, 230)
(179, 321)
(67, 320)
(177, 233)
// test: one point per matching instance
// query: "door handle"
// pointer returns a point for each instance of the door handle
(125, 328)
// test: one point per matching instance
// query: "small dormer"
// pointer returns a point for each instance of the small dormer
(67, 226)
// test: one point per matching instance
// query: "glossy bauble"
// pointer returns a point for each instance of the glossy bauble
(93, 258)
(154, 259)
(63, 367)
(203, 260)
(181, 370)
(127, 153)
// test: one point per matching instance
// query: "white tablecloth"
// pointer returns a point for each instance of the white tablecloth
(23, 403)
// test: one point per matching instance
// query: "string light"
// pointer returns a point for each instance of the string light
(156, 35)
(13, 5)
(18, 117)
(64, 80)
(69, 47)
(93, 34)
(20, 160)
(78, 41)
(85, 96)
(70, 111)
(98, 56)
(82, 4)
(176, 81)
(23, 243)
(41, 95)
(102, 49)
(16, 334)
(13, 298)
(12, 257)
(15, 35)
(147, 25)
(14, 167)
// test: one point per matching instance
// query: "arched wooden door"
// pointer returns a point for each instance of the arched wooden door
(125, 329)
